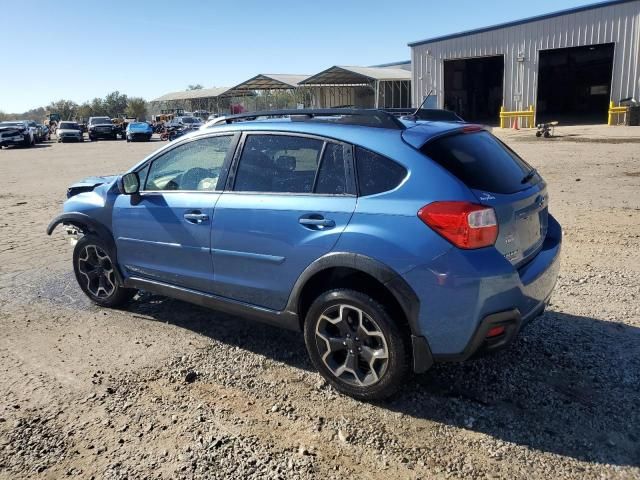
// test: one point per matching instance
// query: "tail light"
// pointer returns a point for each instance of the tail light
(466, 225)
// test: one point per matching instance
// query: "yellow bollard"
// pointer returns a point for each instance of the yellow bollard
(610, 118)
(530, 119)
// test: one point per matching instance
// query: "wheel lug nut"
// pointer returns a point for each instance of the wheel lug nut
(351, 352)
(344, 343)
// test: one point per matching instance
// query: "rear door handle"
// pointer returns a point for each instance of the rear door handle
(316, 222)
(196, 217)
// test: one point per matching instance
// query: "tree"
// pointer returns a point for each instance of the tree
(136, 108)
(66, 108)
(97, 108)
(115, 104)
(84, 111)
(197, 86)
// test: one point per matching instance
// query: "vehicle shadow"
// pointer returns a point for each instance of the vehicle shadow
(257, 337)
(569, 385)
(21, 147)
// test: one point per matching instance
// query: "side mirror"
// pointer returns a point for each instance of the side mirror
(130, 183)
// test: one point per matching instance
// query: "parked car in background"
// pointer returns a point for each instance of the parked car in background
(202, 114)
(16, 132)
(69, 131)
(43, 132)
(392, 244)
(186, 121)
(139, 131)
(102, 127)
(212, 122)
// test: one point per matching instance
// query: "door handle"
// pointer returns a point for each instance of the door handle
(316, 222)
(196, 217)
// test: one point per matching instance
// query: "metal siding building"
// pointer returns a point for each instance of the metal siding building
(521, 43)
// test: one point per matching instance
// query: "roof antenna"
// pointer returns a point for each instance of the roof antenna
(422, 104)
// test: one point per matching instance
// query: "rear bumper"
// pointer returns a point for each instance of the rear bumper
(465, 293)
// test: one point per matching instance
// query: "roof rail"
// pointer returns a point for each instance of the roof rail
(349, 116)
(429, 114)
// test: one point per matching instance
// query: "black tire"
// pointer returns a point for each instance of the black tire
(101, 287)
(383, 376)
(92, 138)
(538, 134)
(547, 134)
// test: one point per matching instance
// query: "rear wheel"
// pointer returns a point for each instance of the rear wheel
(96, 273)
(355, 344)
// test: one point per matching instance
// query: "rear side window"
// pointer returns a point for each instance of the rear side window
(332, 175)
(376, 173)
(479, 160)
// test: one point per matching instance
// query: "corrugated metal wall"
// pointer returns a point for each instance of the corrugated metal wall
(618, 23)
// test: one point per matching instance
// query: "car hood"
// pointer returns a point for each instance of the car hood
(68, 130)
(89, 183)
(4, 128)
(101, 125)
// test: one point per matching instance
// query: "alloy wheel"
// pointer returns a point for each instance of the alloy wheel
(352, 345)
(96, 267)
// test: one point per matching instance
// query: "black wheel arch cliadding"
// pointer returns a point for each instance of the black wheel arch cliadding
(401, 291)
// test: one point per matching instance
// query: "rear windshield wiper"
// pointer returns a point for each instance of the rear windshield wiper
(532, 173)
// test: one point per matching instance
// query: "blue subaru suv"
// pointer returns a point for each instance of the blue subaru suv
(391, 243)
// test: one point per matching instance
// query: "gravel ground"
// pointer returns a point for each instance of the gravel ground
(169, 390)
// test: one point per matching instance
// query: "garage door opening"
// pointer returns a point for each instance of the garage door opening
(574, 84)
(473, 88)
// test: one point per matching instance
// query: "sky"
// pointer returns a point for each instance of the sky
(79, 50)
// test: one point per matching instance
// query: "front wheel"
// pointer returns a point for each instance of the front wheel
(356, 345)
(96, 273)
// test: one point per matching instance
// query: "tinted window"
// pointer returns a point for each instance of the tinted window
(376, 173)
(332, 176)
(278, 163)
(480, 160)
(193, 166)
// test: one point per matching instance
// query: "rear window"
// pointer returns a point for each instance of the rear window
(480, 160)
(377, 174)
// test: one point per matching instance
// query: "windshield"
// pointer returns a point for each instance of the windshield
(138, 124)
(69, 126)
(12, 124)
(96, 120)
(190, 120)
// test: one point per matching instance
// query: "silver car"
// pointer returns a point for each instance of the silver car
(69, 131)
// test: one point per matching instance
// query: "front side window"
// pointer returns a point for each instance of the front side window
(278, 163)
(193, 166)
